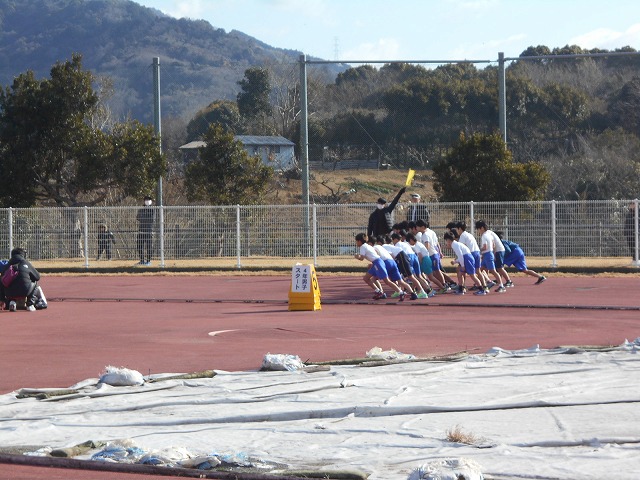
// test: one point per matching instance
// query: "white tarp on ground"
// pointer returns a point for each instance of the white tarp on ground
(528, 414)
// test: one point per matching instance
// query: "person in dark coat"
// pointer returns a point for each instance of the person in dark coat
(417, 210)
(25, 284)
(105, 240)
(380, 222)
(146, 220)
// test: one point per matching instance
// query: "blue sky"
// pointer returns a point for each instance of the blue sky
(419, 29)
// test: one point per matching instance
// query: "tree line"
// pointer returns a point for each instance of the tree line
(573, 131)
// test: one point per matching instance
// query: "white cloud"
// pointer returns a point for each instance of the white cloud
(382, 49)
(489, 50)
(608, 38)
(193, 9)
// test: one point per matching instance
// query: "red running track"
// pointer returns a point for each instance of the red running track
(159, 324)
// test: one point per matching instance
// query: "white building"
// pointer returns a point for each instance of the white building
(275, 151)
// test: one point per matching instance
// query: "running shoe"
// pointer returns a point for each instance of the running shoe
(509, 284)
(379, 295)
(12, 306)
(423, 295)
(501, 289)
(460, 291)
(480, 292)
(491, 284)
(397, 294)
(444, 290)
(414, 296)
(540, 280)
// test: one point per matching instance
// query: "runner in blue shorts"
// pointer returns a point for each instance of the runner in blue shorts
(514, 257)
(465, 263)
(423, 256)
(389, 263)
(376, 270)
(488, 247)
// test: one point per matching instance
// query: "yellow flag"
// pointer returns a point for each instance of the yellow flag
(410, 177)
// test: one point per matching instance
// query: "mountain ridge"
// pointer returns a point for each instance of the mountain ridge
(119, 39)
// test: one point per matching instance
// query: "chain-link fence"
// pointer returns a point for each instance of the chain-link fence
(572, 111)
(555, 230)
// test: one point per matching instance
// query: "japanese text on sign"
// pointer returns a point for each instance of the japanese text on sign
(301, 281)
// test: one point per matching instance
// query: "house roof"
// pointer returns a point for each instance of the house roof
(263, 140)
(253, 140)
(192, 145)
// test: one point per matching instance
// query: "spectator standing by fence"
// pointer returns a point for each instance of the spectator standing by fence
(105, 240)
(380, 222)
(146, 220)
(417, 210)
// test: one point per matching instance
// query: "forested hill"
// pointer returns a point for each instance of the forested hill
(119, 39)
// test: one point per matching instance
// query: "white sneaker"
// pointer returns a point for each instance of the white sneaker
(31, 308)
(12, 306)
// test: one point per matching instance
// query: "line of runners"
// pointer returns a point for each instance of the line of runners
(409, 261)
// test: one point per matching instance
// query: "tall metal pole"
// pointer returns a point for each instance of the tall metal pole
(502, 97)
(158, 130)
(157, 124)
(304, 144)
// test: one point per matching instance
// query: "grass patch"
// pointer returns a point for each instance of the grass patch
(457, 435)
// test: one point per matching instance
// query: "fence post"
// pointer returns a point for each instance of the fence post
(238, 243)
(86, 236)
(304, 147)
(506, 226)
(553, 234)
(636, 260)
(10, 221)
(315, 236)
(161, 227)
(472, 216)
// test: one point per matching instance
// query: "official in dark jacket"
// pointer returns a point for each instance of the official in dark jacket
(26, 281)
(146, 221)
(417, 210)
(380, 221)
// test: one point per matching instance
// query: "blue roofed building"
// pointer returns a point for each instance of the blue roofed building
(275, 151)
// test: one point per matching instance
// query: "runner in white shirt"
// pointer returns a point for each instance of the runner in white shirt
(465, 263)
(377, 269)
(470, 241)
(425, 261)
(390, 264)
(433, 271)
(422, 286)
(500, 252)
(488, 248)
(404, 266)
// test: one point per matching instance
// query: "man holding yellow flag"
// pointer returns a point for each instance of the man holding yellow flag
(380, 221)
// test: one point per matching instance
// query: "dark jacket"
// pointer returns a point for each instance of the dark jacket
(26, 280)
(146, 218)
(380, 221)
(422, 212)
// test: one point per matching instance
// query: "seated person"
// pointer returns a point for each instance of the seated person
(25, 285)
